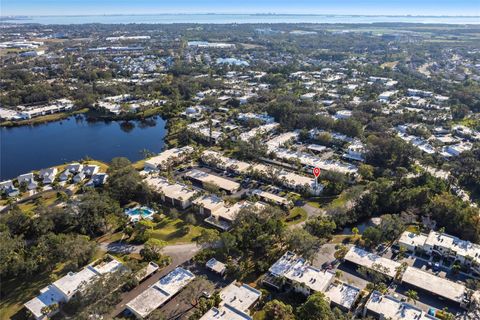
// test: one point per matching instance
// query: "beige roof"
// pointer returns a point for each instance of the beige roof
(167, 155)
(270, 196)
(210, 202)
(171, 190)
(205, 177)
(434, 284)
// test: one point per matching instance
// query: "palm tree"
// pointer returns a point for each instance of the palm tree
(412, 295)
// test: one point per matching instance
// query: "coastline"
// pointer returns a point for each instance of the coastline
(91, 115)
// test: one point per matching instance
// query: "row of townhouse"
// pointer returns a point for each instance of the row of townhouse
(453, 292)
(216, 212)
(284, 178)
(443, 245)
(59, 105)
(295, 273)
(167, 158)
(76, 171)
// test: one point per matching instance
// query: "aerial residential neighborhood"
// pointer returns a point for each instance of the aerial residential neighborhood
(187, 162)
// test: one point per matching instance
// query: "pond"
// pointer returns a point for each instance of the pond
(27, 148)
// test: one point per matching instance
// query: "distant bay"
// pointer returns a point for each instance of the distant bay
(239, 18)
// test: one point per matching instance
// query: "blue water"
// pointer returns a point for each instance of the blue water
(139, 211)
(27, 148)
(241, 18)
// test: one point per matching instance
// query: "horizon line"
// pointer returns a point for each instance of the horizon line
(239, 13)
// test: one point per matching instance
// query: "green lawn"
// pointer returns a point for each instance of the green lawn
(171, 231)
(296, 215)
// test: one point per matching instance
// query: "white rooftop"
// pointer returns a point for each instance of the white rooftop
(225, 312)
(434, 284)
(412, 239)
(391, 308)
(342, 294)
(367, 259)
(315, 279)
(241, 297)
(460, 247)
(160, 292)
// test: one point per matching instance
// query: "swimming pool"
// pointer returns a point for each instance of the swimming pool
(138, 213)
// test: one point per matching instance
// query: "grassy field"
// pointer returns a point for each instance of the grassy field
(295, 216)
(170, 231)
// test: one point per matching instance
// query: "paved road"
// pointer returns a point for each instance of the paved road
(180, 253)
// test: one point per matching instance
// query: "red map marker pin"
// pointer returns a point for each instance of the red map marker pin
(316, 172)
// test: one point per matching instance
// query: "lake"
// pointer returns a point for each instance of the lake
(240, 18)
(27, 148)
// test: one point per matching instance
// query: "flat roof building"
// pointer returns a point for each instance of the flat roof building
(160, 292)
(206, 178)
(241, 297)
(444, 245)
(387, 307)
(171, 156)
(174, 194)
(223, 216)
(342, 295)
(367, 259)
(435, 285)
(270, 197)
(225, 312)
(66, 287)
(216, 266)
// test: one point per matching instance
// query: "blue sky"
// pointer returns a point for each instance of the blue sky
(373, 7)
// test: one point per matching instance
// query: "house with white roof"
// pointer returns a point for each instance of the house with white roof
(46, 304)
(225, 312)
(208, 204)
(444, 245)
(296, 273)
(160, 292)
(167, 157)
(237, 300)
